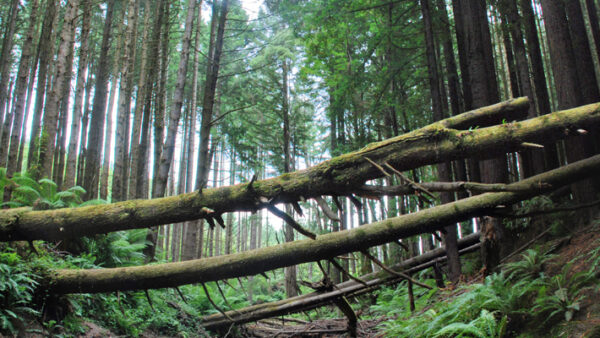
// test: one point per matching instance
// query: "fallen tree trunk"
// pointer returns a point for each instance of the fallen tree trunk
(438, 142)
(348, 289)
(323, 247)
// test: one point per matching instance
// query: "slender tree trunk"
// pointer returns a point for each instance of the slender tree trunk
(79, 88)
(210, 87)
(46, 51)
(139, 102)
(532, 160)
(444, 169)
(52, 105)
(20, 95)
(96, 132)
(5, 57)
(161, 103)
(108, 146)
(85, 120)
(169, 145)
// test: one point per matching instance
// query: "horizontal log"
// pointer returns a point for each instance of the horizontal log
(338, 176)
(323, 247)
(349, 288)
(407, 189)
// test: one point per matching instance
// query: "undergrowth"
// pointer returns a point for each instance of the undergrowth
(501, 305)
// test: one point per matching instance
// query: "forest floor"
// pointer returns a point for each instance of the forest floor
(570, 249)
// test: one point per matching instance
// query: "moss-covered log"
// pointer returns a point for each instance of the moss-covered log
(323, 247)
(338, 176)
(349, 288)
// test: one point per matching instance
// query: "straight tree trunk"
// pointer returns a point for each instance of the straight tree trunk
(444, 169)
(52, 105)
(96, 132)
(484, 90)
(20, 94)
(532, 160)
(169, 145)
(5, 57)
(191, 243)
(220, 8)
(46, 51)
(161, 103)
(108, 146)
(139, 102)
(85, 121)
(540, 88)
(79, 91)
(568, 86)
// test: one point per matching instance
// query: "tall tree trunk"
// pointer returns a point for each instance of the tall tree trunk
(52, 105)
(191, 243)
(20, 95)
(79, 88)
(569, 83)
(46, 51)
(532, 160)
(291, 287)
(542, 98)
(108, 146)
(169, 145)
(484, 90)
(139, 102)
(444, 169)
(210, 87)
(161, 103)
(96, 132)
(5, 57)
(85, 121)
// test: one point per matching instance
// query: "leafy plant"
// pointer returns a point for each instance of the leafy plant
(43, 194)
(529, 267)
(17, 286)
(484, 326)
(568, 292)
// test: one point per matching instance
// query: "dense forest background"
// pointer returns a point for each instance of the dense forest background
(108, 101)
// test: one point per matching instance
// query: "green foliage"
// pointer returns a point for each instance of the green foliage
(17, 286)
(484, 326)
(563, 293)
(499, 305)
(529, 267)
(43, 194)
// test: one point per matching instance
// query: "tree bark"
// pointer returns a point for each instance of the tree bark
(210, 87)
(108, 145)
(303, 251)
(96, 132)
(443, 169)
(79, 88)
(124, 106)
(139, 103)
(52, 105)
(568, 88)
(20, 96)
(46, 51)
(5, 57)
(169, 145)
(339, 176)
